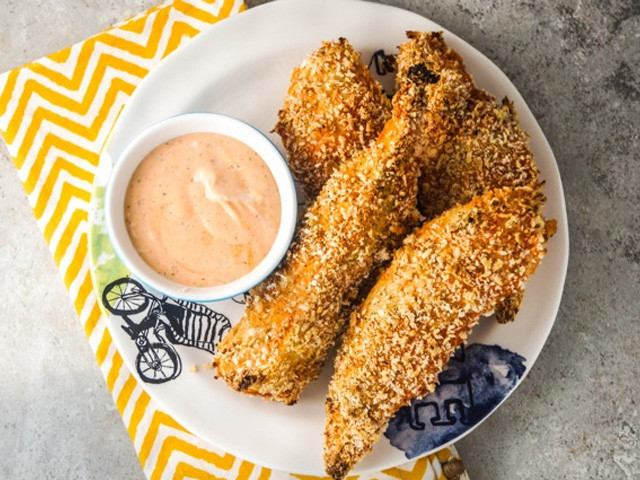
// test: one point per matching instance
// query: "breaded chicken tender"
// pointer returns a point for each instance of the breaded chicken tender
(333, 109)
(363, 211)
(490, 150)
(449, 98)
(448, 274)
(475, 143)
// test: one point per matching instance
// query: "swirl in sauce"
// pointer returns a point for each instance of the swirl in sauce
(202, 209)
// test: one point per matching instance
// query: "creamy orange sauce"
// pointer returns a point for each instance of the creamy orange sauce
(202, 209)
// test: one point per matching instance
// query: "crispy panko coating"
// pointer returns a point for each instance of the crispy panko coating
(449, 98)
(333, 109)
(475, 143)
(363, 211)
(448, 274)
(489, 150)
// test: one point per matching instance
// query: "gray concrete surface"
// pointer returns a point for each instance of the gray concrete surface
(577, 63)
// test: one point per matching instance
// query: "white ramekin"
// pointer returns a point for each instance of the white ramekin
(182, 125)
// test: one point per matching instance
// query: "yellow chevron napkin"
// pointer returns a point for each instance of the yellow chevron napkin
(55, 115)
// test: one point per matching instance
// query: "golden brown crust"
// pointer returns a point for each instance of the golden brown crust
(333, 109)
(489, 150)
(448, 274)
(448, 98)
(362, 212)
(475, 143)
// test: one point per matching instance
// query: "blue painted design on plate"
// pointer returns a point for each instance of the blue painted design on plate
(476, 379)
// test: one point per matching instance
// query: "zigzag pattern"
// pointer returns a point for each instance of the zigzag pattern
(55, 115)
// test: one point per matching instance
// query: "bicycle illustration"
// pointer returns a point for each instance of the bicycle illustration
(156, 324)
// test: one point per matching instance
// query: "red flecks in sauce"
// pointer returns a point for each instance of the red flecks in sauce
(202, 209)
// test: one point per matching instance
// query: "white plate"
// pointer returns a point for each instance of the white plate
(241, 67)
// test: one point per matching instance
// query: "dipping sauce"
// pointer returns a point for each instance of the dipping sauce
(202, 209)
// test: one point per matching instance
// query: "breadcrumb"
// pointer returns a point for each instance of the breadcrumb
(364, 209)
(333, 109)
(448, 274)
(475, 143)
